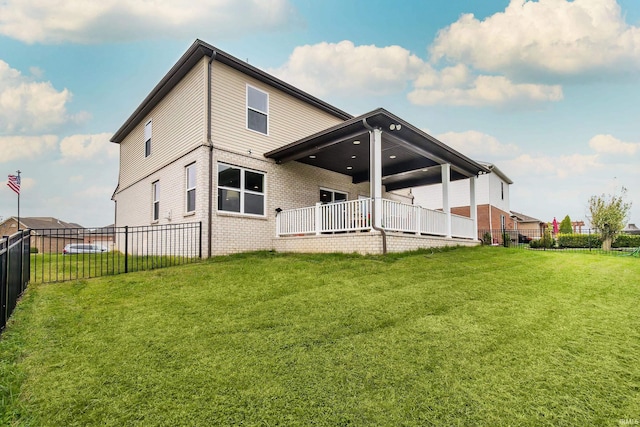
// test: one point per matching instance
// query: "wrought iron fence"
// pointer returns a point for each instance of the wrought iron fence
(60, 254)
(588, 240)
(14, 272)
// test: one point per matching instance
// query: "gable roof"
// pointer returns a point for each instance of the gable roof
(525, 218)
(43, 222)
(195, 53)
(494, 169)
(412, 157)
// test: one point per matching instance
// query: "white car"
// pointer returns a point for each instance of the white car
(82, 248)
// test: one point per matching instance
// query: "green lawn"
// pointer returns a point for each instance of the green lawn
(479, 336)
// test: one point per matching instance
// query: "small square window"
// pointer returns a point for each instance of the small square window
(240, 190)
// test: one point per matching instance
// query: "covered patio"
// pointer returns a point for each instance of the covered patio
(384, 150)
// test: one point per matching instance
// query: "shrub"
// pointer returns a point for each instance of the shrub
(579, 241)
(627, 241)
(546, 242)
(487, 239)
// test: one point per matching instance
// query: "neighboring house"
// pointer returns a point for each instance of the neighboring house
(492, 199)
(265, 166)
(48, 235)
(528, 226)
(631, 229)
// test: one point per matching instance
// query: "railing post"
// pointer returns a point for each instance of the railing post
(318, 218)
(126, 248)
(200, 243)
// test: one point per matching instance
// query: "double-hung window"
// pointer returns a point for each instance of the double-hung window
(190, 172)
(147, 139)
(155, 191)
(240, 190)
(257, 110)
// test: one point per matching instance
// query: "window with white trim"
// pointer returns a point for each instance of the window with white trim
(240, 190)
(155, 191)
(257, 110)
(190, 176)
(147, 139)
(331, 196)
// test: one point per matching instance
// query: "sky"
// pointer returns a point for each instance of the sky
(546, 90)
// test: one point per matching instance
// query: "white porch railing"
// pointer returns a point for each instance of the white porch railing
(355, 215)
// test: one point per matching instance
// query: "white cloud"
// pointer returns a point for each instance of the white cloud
(25, 147)
(457, 86)
(88, 147)
(44, 21)
(478, 145)
(550, 37)
(564, 166)
(29, 107)
(608, 144)
(346, 68)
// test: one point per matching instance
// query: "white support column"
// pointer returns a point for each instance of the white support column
(318, 218)
(446, 208)
(375, 172)
(473, 205)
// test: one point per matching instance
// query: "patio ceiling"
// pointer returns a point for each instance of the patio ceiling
(410, 157)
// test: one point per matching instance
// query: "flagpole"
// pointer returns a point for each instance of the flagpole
(18, 202)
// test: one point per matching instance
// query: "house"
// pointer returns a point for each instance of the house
(492, 199)
(631, 229)
(529, 226)
(263, 165)
(48, 234)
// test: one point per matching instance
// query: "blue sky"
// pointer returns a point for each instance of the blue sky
(547, 90)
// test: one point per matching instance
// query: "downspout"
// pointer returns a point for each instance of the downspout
(373, 210)
(210, 144)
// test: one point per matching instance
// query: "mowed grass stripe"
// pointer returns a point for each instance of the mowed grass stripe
(481, 336)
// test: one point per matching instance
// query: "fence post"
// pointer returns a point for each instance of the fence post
(200, 245)
(126, 248)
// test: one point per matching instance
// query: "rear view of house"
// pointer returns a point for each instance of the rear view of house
(263, 165)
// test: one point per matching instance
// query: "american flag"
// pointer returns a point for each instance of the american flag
(14, 183)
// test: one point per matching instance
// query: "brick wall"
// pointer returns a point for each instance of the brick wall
(488, 217)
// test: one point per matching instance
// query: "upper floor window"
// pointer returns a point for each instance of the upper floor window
(190, 172)
(155, 190)
(147, 139)
(257, 110)
(240, 190)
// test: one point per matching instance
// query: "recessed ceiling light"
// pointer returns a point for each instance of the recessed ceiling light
(425, 170)
(392, 157)
(312, 157)
(356, 142)
(349, 167)
(353, 157)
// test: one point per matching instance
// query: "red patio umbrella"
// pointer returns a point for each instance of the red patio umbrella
(555, 225)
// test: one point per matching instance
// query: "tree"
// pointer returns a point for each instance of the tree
(609, 215)
(565, 225)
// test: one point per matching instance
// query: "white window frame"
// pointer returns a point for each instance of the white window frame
(243, 191)
(148, 131)
(266, 113)
(155, 200)
(333, 194)
(187, 188)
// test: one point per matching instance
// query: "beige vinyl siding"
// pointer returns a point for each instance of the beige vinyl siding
(289, 118)
(178, 127)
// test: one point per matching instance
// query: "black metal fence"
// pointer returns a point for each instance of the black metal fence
(14, 272)
(587, 240)
(60, 254)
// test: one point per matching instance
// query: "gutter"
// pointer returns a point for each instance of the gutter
(373, 210)
(210, 144)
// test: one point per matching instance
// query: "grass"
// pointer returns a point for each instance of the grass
(480, 336)
(58, 268)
